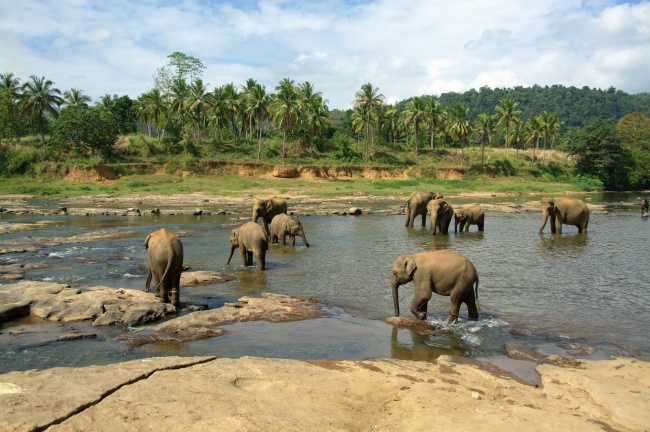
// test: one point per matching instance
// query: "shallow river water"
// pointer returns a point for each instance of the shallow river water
(551, 291)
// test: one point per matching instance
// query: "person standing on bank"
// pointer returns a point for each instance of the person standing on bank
(644, 206)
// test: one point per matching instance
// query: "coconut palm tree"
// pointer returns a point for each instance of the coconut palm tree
(257, 107)
(507, 115)
(368, 99)
(219, 110)
(76, 98)
(534, 131)
(415, 114)
(40, 97)
(178, 99)
(106, 102)
(517, 136)
(196, 104)
(284, 109)
(234, 108)
(432, 117)
(247, 89)
(391, 122)
(316, 120)
(153, 106)
(484, 126)
(10, 85)
(551, 125)
(459, 127)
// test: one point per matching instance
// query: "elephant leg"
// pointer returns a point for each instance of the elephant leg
(261, 260)
(419, 307)
(249, 258)
(456, 300)
(480, 227)
(579, 229)
(467, 226)
(175, 297)
(470, 301)
(242, 253)
(409, 219)
(292, 240)
(284, 239)
(424, 219)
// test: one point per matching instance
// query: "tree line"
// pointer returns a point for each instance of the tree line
(181, 108)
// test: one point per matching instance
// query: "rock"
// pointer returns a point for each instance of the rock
(204, 324)
(201, 277)
(285, 171)
(354, 211)
(13, 310)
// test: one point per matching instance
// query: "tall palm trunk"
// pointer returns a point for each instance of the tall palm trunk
(40, 118)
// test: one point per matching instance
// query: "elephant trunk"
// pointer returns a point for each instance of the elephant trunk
(395, 298)
(544, 219)
(304, 238)
(434, 223)
(232, 251)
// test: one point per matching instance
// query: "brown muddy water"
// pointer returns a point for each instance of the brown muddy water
(554, 292)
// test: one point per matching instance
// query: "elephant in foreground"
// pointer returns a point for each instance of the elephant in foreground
(165, 264)
(564, 210)
(283, 226)
(441, 214)
(416, 205)
(267, 209)
(251, 241)
(442, 272)
(472, 215)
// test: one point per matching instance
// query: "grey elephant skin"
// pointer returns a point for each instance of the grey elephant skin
(416, 205)
(564, 211)
(441, 214)
(165, 264)
(472, 215)
(442, 272)
(251, 240)
(283, 226)
(267, 209)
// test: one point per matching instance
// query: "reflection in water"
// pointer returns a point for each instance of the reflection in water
(420, 347)
(564, 242)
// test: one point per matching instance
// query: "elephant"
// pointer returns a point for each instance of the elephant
(165, 264)
(564, 210)
(251, 240)
(283, 226)
(442, 272)
(416, 205)
(267, 210)
(472, 215)
(441, 213)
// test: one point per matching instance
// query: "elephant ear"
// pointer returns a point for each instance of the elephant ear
(146, 242)
(410, 266)
(269, 206)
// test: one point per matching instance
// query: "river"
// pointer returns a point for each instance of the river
(551, 291)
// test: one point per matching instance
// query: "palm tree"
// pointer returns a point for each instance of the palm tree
(76, 98)
(444, 125)
(106, 102)
(178, 98)
(534, 131)
(507, 114)
(368, 99)
(154, 105)
(40, 97)
(284, 109)
(485, 127)
(233, 108)
(551, 125)
(10, 85)
(415, 113)
(391, 122)
(517, 135)
(247, 90)
(196, 103)
(432, 117)
(459, 126)
(316, 120)
(219, 110)
(257, 107)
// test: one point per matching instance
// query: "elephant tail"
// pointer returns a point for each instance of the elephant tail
(478, 307)
(169, 266)
(408, 201)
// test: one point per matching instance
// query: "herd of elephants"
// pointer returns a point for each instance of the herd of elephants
(442, 272)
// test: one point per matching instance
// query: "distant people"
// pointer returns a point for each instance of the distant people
(644, 206)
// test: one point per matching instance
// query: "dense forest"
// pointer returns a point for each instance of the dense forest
(606, 131)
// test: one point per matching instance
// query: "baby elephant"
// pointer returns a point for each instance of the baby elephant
(473, 215)
(165, 264)
(283, 226)
(442, 272)
(251, 240)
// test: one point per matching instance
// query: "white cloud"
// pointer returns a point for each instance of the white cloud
(406, 48)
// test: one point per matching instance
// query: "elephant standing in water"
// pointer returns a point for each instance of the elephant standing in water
(441, 214)
(567, 211)
(416, 205)
(251, 240)
(472, 215)
(165, 264)
(283, 226)
(267, 210)
(442, 272)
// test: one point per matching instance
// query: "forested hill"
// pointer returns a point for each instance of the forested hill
(573, 105)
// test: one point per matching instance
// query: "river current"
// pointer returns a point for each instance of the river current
(550, 291)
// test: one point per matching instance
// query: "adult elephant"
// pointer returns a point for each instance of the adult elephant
(251, 241)
(416, 205)
(283, 226)
(442, 272)
(564, 210)
(165, 264)
(472, 215)
(441, 214)
(267, 209)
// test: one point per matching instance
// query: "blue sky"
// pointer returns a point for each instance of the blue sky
(404, 47)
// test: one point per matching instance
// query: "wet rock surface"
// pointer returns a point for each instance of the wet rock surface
(206, 393)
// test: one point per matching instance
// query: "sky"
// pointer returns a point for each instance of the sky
(404, 48)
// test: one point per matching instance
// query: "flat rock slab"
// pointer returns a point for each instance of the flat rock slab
(34, 244)
(203, 277)
(206, 324)
(256, 394)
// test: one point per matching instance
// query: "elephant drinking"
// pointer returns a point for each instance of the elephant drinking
(442, 272)
(165, 264)
(283, 226)
(564, 210)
